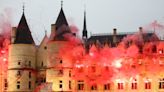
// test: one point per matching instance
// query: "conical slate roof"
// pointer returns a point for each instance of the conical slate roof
(23, 33)
(62, 28)
(61, 20)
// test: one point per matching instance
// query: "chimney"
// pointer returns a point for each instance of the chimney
(114, 36)
(13, 34)
(114, 31)
(140, 29)
(53, 28)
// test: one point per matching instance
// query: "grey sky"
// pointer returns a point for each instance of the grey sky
(102, 15)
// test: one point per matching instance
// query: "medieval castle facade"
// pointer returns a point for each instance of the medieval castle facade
(31, 68)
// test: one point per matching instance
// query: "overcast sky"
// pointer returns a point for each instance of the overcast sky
(102, 15)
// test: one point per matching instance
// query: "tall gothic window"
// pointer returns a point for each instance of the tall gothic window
(6, 84)
(161, 83)
(147, 84)
(29, 74)
(107, 86)
(60, 84)
(29, 85)
(60, 72)
(134, 84)
(70, 86)
(80, 85)
(29, 64)
(18, 84)
(94, 87)
(18, 73)
(120, 85)
(69, 73)
(42, 64)
(61, 61)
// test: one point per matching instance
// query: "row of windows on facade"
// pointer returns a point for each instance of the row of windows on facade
(80, 86)
(61, 73)
(107, 86)
(154, 48)
(19, 73)
(25, 63)
(151, 50)
(42, 64)
(120, 85)
(129, 43)
(29, 63)
(61, 84)
(19, 86)
(93, 68)
(42, 80)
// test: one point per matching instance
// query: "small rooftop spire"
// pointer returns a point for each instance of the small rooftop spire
(23, 7)
(61, 3)
(45, 32)
(85, 25)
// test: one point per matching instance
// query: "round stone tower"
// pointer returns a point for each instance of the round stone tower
(22, 59)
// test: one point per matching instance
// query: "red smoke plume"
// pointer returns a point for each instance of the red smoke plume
(102, 65)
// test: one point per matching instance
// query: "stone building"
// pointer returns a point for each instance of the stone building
(33, 68)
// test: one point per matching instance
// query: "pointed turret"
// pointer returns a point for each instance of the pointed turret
(61, 20)
(85, 36)
(60, 29)
(22, 56)
(23, 33)
(45, 39)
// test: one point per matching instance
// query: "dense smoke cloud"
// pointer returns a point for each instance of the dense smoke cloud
(125, 61)
(5, 28)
